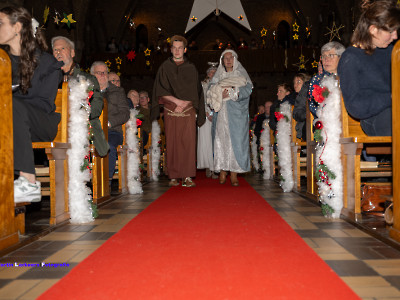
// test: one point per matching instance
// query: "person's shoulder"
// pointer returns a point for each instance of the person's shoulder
(352, 52)
(49, 60)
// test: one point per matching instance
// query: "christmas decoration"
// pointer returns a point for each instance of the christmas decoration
(283, 138)
(134, 184)
(334, 31)
(329, 172)
(302, 62)
(68, 20)
(265, 145)
(108, 63)
(254, 150)
(314, 64)
(263, 32)
(56, 19)
(232, 8)
(295, 36)
(46, 14)
(147, 52)
(155, 150)
(131, 55)
(193, 19)
(80, 199)
(295, 27)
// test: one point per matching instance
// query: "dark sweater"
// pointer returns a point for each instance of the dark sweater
(365, 81)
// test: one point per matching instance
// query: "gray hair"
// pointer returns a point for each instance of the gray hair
(69, 42)
(339, 48)
(97, 63)
(144, 93)
(131, 92)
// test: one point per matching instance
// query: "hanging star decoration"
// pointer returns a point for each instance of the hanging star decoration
(56, 19)
(240, 18)
(46, 14)
(147, 52)
(295, 27)
(334, 31)
(118, 60)
(263, 32)
(131, 55)
(119, 73)
(147, 63)
(193, 19)
(308, 31)
(302, 62)
(314, 64)
(108, 63)
(87, 70)
(68, 20)
(169, 40)
(295, 36)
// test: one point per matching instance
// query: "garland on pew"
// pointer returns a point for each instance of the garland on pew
(265, 149)
(80, 198)
(155, 150)
(328, 126)
(283, 138)
(254, 150)
(134, 184)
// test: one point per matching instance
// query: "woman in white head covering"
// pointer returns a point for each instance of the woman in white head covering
(229, 96)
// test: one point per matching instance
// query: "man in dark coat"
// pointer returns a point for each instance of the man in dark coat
(64, 50)
(118, 111)
(177, 87)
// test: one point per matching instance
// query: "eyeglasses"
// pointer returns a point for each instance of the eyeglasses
(330, 56)
(100, 73)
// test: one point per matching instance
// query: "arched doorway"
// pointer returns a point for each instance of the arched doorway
(142, 38)
(283, 34)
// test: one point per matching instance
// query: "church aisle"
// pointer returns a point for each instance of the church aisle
(368, 266)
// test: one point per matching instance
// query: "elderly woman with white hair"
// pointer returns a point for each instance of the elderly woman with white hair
(229, 96)
(330, 56)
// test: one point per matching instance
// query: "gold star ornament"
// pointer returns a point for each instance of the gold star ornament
(193, 19)
(295, 36)
(263, 32)
(147, 52)
(295, 27)
(334, 31)
(118, 60)
(314, 64)
(108, 63)
(68, 20)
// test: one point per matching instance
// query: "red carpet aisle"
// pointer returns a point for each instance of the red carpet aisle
(208, 242)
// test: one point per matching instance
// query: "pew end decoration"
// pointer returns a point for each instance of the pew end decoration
(254, 150)
(155, 150)
(134, 184)
(284, 139)
(328, 129)
(265, 149)
(81, 202)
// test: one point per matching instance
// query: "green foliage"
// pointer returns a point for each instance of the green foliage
(95, 212)
(326, 209)
(318, 136)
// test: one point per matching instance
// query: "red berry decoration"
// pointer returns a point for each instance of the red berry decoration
(319, 125)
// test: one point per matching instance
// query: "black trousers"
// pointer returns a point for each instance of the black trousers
(31, 124)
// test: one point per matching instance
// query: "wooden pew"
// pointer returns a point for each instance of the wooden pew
(100, 182)
(299, 163)
(9, 232)
(395, 230)
(312, 188)
(353, 140)
(58, 167)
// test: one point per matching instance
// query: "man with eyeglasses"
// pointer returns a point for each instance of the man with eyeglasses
(64, 50)
(330, 56)
(118, 112)
(177, 87)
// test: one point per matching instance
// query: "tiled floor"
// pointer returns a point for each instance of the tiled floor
(370, 267)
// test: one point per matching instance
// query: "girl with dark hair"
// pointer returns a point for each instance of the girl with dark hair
(35, 79)
(365, 67)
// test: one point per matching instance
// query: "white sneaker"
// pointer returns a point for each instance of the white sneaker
(24, 191)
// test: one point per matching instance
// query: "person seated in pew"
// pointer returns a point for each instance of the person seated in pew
(285, 94)
(64, 51)
(144, 109)
(133, 99)
(300, 84)
(118, 111)
(35, 79)
(365, 67)
(330, 56)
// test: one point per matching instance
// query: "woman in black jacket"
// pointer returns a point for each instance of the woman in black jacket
(35, 79)
(300, 84)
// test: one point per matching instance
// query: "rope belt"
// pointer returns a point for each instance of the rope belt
(178, 114)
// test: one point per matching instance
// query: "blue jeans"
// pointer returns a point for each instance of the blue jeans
(115, 138)
(379, 125)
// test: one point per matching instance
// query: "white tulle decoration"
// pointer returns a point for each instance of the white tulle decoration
(254, 151)
(283, 138)
(79, 194)
(133, 176)
(329, 152)
(155, 150)
(265, 144)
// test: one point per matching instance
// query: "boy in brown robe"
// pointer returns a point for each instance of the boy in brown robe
(178, 88)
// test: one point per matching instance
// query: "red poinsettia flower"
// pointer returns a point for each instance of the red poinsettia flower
(320, 93)
(138, 122)
(279, 116)
(90, 94)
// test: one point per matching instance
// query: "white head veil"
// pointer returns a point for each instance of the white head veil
(238, 69)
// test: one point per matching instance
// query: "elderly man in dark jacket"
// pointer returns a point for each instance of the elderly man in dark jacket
(64, 50)
(118, 111)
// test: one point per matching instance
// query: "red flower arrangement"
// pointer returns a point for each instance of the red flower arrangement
(138, 122)
(279, 116)
(320, 93)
